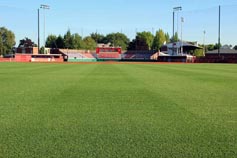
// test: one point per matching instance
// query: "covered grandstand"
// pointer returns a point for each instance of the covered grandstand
(178, 52)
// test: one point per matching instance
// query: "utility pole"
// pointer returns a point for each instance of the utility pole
(38, 31)
(173, 27)
(182, 21)
(219, 31)
(175, 9)
(43, 6)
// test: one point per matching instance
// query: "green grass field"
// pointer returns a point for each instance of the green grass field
(118, 110)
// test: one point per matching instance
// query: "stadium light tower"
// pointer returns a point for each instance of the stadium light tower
(38, 31)
(44, 7)
(182, 21)
(175, 9)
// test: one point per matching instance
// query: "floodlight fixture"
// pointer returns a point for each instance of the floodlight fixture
(44, 6)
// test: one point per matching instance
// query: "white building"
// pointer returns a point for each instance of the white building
(179, 48)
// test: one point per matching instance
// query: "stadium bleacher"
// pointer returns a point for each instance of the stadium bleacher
(138, 55)
(74, 55)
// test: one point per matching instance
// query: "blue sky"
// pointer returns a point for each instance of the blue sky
(126, 16)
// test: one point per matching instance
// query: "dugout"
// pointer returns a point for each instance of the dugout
(184, 58)
(38, 58)
(139, 55)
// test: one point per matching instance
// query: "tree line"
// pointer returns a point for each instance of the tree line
(143, 41)
(7, 41)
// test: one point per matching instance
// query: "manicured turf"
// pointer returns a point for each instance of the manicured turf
(118, 110)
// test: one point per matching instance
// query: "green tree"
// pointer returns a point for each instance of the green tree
(159, 39)
(143, 41)
(175, 38)
(210, 47)
(235, 47)
(7, 41)
(217, 46)
(99, 38)
(51, 41)
(132, 45)
(138, 43)
(117, 40)
(72, 41)
(76, 41)
(68, 40)
(42, 50)
(147, 37)
(1, 46)
(167, 37)
(198, 52)
(88, 43)
(26, 43)
(204, 47)
(60, 42)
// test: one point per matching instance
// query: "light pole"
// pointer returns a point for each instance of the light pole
(182, 21)
(219, 31)
(175, 9)
(38, 31)
(43, 6)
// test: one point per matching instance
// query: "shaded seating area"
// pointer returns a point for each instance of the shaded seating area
(138, 55)
(73, 55)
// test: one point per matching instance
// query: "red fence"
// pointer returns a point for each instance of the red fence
(39, 58)
(47, 58)
(23, 57)
(6, 59)
(215, 58)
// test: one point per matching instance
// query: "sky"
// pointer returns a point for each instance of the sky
(125, 16)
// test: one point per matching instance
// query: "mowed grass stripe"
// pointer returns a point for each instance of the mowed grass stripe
(117, 111)
(210, 95)
(213, 104)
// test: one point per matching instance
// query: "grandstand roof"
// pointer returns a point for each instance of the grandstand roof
(187, 45)
(223, 51)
